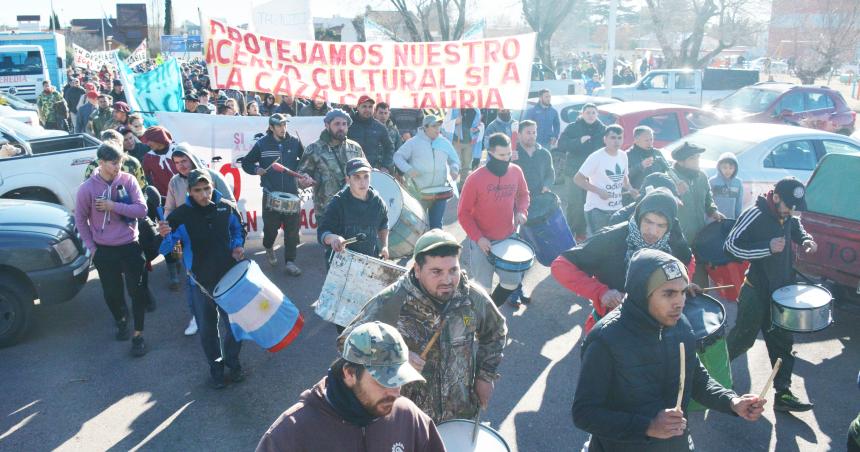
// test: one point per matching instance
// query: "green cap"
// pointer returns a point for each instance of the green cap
(434, 238)
(380, 348)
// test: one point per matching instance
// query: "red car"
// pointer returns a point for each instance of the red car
(669, 121)
(814, 107)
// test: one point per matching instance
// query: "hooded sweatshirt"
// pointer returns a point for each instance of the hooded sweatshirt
(313, 425)
(570, 143)
(433, 159)
(630, 370)
(159, 168)
(108, 228)
(177, 191)
(728, 193)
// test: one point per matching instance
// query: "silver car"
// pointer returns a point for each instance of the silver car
(766, 153)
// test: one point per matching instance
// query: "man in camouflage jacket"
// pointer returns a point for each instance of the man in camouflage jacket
(102, 118)
(460, 369)
(325, 159)
(45, 103)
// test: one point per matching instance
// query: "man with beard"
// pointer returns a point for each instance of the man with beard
(45, 104)
(72, 93)
(763, 235)
(120, 114)
(503, 123)
(436, 296)
(494, 200)
(546, 117)
(318, 107)
(191, 103)
(642, 158)
(324, 161)
(289, 105)
(627, 390)
(270, 158)
(372, 136)
(579, 140)
(357, 406)
(102, 118)
(595, 269)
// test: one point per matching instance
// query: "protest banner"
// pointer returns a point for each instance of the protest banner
(93, 60)
(487, 73)
(140, 54)
(159, 89)
(220, 141)
(288, 19)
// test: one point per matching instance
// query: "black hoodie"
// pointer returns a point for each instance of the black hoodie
(630, 370)
(570, 143)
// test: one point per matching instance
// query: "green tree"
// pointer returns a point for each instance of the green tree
(55, 22)
(545, 16)
(168, 17)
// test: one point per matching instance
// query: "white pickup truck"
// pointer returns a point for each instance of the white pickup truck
(46, 168)
(696, 88)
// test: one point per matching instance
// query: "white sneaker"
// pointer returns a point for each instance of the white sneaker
(192, 327)
(270, 256)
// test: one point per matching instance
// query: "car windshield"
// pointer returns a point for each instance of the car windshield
(20, 63)
(23, 130)
(714, 144)
(749, 99)
(16, 102)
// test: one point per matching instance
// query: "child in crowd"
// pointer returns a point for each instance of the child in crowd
(727, 188)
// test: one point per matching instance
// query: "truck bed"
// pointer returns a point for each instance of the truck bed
(838, 255)
(61, 144)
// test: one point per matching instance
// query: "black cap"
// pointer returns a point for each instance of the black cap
(192, 97)
(792, 192)
(117, 82)
(278, 119)
(686, 151)
(357, 164)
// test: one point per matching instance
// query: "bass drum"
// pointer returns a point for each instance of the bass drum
(407, 220)
(457, 436)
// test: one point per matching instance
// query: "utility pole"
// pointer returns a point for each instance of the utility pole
(610, 55)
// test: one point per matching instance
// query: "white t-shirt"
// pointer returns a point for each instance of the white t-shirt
(606, 172)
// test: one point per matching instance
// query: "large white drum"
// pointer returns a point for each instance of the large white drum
(407, 220)
(802, 308)
(457, 436)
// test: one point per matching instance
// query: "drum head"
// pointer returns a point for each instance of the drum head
(233, 276)
(435, 190)
(705, 314)
(512, 250)
(390, 192)
(802, 296)
(457, 436)
(285, 196)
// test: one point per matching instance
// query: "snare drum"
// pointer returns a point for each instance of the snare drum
(802, 308)
(457, 436)
(281, 202)
(512, 254)
(707, 316)
(437, 193)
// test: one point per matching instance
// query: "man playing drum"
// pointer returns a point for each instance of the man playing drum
(325, 160)
(630, 395)
(760, 237)
(270, 158)
(430, 161)
(494, 201)
(595, 269)
(435, 300)
(357, 406)
(212, 234)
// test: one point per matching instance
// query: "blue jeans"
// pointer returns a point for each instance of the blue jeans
(436, 212)
(597, 219)
(220, 348)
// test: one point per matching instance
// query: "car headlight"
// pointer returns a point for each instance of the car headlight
(66, 250)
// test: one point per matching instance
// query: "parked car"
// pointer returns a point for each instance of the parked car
(45, 169)
(29, 132)
(24, 116)
(41, 258)
(766, 152)
(670, 122)
(815, 107)
(684, 86)
(568, 106)
(834, 220)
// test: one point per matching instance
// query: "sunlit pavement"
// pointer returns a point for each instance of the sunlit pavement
(71, 386)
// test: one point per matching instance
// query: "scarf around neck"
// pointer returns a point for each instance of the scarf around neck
(636, 242)
(344, 402)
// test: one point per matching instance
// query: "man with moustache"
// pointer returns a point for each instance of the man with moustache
(436, 295)
(357, 406)
(372, 136)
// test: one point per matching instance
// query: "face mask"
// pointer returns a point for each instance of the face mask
(505, 117)
(498, 167)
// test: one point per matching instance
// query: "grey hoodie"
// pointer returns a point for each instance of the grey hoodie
(728, 193)
(177, 190)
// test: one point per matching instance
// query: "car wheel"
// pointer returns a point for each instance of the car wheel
(16, 309)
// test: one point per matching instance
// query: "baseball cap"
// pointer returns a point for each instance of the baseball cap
(92, 95)
(278, 119)
(432, 239)
(380, 348)
(197, 175)
(121, 106)
(365, 98)
(357, 164)
(430, 119)
(686, 151)
(117, 82)
(192, 97)
(792, 192)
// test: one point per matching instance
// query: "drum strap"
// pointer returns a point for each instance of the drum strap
(200, 286)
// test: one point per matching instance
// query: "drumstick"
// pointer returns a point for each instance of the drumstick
(770, 379)
(683, 372)
(727, 286)
(476, 426)
(272, 164)
(358, 238)
(432, 341)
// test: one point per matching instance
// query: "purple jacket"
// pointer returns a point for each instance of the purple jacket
(108, 228)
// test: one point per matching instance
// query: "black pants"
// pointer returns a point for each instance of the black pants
(272, 221)
(119, 267)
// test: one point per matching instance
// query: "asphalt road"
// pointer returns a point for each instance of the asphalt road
(71, 386)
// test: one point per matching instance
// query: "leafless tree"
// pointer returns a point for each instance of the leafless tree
(545, 16)
(682, 25)
(835, 41)
(432, 20)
